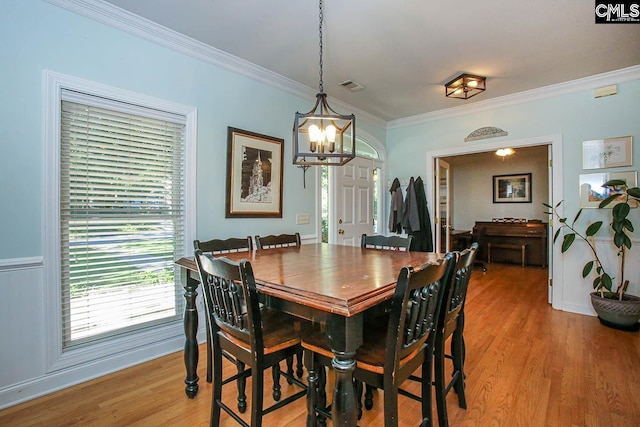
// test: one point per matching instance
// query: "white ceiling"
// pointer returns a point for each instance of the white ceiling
(404, 51)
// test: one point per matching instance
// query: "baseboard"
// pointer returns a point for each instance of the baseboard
(22, 392)
(579, 309)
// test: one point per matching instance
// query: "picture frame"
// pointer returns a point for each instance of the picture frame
(592, 192)
(515, 188)
(607, 153)
(254, 175)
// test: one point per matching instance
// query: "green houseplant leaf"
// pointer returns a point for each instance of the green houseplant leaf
(568, 241)
(634, 192)
(593, 228)
(587, 268)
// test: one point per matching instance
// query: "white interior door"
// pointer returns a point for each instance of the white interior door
(443, 197)
(353, 186)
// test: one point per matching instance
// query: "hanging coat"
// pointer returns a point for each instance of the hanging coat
(422, 238)
(410, 218)
(397, 207)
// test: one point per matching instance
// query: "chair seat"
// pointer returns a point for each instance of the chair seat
(279, 330)
(369, 356)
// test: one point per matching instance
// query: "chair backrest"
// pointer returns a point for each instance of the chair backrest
(281, 241)
(456, 290)
(393, 243)
(415, 308)
(231, 298)
(222, 246)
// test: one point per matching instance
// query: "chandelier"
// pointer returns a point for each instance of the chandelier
(322, 136)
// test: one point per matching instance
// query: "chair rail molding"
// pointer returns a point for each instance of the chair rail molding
(21, 263)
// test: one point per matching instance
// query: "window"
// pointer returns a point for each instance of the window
(121, 224)
(121, 217)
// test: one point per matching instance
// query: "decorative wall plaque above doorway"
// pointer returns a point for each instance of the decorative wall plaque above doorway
(484, 133)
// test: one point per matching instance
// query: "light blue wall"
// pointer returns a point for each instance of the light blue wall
(36, 36)
(577, 117)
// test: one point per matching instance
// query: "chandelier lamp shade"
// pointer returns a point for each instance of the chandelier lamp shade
(322, 136)
(465, 86)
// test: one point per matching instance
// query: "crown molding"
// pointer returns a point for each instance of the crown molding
(604, 79)
(118, 18)
(115, 17)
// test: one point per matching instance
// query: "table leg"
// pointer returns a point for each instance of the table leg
(344, 408)
(344, 335)
(190, 331)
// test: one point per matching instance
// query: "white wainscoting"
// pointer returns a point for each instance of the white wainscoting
(23, 372)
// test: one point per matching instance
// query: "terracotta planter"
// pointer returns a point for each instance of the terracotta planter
(617, 314)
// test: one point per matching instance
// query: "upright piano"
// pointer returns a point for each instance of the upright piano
(504, 234)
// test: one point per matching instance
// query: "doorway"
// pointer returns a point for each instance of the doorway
(553, 191)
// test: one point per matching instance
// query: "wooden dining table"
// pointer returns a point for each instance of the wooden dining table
(333, 285)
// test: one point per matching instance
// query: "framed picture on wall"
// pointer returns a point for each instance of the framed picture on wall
(592, 192)
(512, 188)
(607, 153)
(254, 175)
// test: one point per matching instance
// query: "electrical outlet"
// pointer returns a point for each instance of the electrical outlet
(302, 218)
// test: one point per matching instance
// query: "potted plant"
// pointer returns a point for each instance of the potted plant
(613, 305)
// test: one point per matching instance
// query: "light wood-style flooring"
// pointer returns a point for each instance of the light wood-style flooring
(527, 365)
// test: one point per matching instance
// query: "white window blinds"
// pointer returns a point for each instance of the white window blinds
(121, 217)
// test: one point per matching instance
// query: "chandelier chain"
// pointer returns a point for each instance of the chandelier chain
(320, 29)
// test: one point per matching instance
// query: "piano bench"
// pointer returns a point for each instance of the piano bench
(508, 246)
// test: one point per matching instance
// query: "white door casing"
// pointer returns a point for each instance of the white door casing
(443, 198)
(554, 142)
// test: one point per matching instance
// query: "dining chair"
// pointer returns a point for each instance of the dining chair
(258, 336)
(451, 324)
(392, 243)
(395, 243)
(387, 357)
(218, 247)
(280, 241)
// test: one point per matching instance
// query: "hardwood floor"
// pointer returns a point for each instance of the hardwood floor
(527, 365)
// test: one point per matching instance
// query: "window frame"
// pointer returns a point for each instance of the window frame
(54, 83)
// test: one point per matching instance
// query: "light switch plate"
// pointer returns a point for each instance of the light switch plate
(302, 218)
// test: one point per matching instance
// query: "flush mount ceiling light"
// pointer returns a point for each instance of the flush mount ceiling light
(465, 86)
(504, 152)
(322, 136)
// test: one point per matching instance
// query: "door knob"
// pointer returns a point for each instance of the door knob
(340, 231)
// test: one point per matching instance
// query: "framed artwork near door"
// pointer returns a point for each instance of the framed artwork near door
(512, 188)
(592, 192)
(254, 175)
(607, 153)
